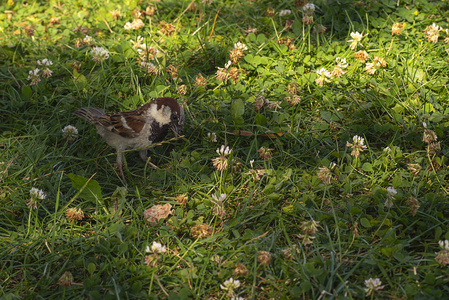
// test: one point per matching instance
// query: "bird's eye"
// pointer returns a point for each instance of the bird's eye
(174, 117)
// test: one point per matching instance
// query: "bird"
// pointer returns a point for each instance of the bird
(138, 128)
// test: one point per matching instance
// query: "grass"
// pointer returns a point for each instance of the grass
(297, 213)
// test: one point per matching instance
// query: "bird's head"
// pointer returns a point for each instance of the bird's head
(178, 121)
(169, 107)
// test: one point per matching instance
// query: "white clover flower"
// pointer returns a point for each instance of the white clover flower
(387, 149)
(370, 68)
(219, 199)
(285, 12)
(391, 192)
(146, 65)
(156, 248)
(88, 40)
(70, 132)
(136, 24)
(251, 162)
(240, 46)
(388, 203)
(341, 62)
(212, 137)
(36, 193)
(138, 43)
(444, 244)
(143, 47)
(44, 62)
(434, 27)
(223, 151)
(372, 284)
(309, 8)
(442, 257)
(358, 140)
(228, 64)
(424, 124)
(32, 73)
(357, 145)
(332, 165)
(356, 38)
(150, 68)
(99, 54)
(338, 69)
(46, 72)
(143, 50)
(324, 74)
(34, 76)
(230, 284)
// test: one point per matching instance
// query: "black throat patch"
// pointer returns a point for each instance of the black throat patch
(158, 132)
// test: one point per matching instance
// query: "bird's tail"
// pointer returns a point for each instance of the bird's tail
(89, 113)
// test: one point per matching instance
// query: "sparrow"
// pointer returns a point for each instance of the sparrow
(136, 128)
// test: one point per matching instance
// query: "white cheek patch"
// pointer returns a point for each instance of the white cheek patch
(162, 116)
(125, 124)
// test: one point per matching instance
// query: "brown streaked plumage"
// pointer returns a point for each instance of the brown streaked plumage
(136, 128)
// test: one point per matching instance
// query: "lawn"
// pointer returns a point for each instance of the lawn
(313, 163)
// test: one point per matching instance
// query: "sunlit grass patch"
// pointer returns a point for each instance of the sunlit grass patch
(313, 162)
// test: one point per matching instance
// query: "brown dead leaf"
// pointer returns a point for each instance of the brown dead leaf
(273, 135)
(242, 132)
(157, 212)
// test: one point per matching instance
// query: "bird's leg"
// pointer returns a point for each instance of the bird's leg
(143, 156)
(120, 165)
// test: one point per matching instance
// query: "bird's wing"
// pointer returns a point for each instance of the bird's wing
(90, 113)
(125, 125)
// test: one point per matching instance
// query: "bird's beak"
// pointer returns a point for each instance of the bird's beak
(176, 130)
(177, 127)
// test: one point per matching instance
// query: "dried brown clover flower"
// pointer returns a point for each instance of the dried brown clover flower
(201, 231)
